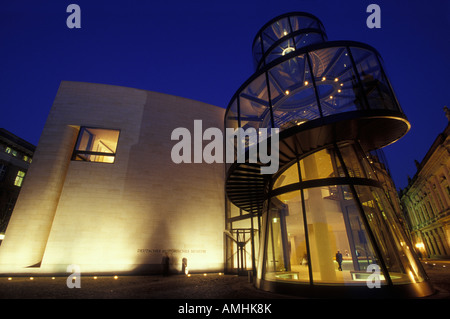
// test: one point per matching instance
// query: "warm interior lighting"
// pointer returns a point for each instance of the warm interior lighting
(287, 92)
(306, 82)
(336, 79)
(324, 78)
(287, 50)
(420, 246)
(96, 145)
(411, 276)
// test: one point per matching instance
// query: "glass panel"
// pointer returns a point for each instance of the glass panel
(287, 256)
(293, 98)
(96, 145)
(377, 90)
(281, 50)
(241, 246)
(305, 39)
(257, 52)
(274, 32)
(351, 161)
(340, 249)
(232, 116)
(302, 22)
(254, 105)
(289, 176)
(335, 81)
(274, 254)
(321, 164)
(395, 248)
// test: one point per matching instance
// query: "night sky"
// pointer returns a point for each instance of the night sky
(202, 50)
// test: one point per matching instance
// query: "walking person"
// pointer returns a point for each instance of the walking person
(339, 260)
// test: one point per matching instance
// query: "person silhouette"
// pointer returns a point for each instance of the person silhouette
(166, 264)
(339, 260)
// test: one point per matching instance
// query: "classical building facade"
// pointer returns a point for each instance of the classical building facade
(15, 157)
(426, 200)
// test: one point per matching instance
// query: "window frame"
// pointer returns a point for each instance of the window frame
(76, 153)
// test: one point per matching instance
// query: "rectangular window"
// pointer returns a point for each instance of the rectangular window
(96, 145)
(19, 178)
(11, 151)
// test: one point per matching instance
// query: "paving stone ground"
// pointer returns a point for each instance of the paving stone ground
(197, 286)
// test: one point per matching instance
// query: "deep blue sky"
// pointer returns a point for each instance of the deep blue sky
(202, 50)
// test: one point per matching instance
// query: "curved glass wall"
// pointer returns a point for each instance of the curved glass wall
(285, 34)
(312, 83)
(328, 219)
(328, 215)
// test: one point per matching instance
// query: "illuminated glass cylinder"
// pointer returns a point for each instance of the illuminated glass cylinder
(327, 224)
(327, 202)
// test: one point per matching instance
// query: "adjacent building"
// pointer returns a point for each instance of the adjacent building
(426, 200)
(16, 155)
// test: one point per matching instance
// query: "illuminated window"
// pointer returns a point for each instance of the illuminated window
(11, 151)
(19, 178)
(96, 145)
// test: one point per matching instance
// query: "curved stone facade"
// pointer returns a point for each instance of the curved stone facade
(122, 212)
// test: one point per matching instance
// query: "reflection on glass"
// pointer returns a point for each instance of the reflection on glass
(287, 257)
(321, 164)
(393, 243)
(289, 176)
(254, 106)
(378, 93)
(241, 235)
(343, 234)
(96, 145)
(339, 244)
(292, 93)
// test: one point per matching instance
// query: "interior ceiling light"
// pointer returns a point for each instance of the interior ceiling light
(287, 50)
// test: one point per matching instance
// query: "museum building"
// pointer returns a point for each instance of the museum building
(104, 193)
(426, 199)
